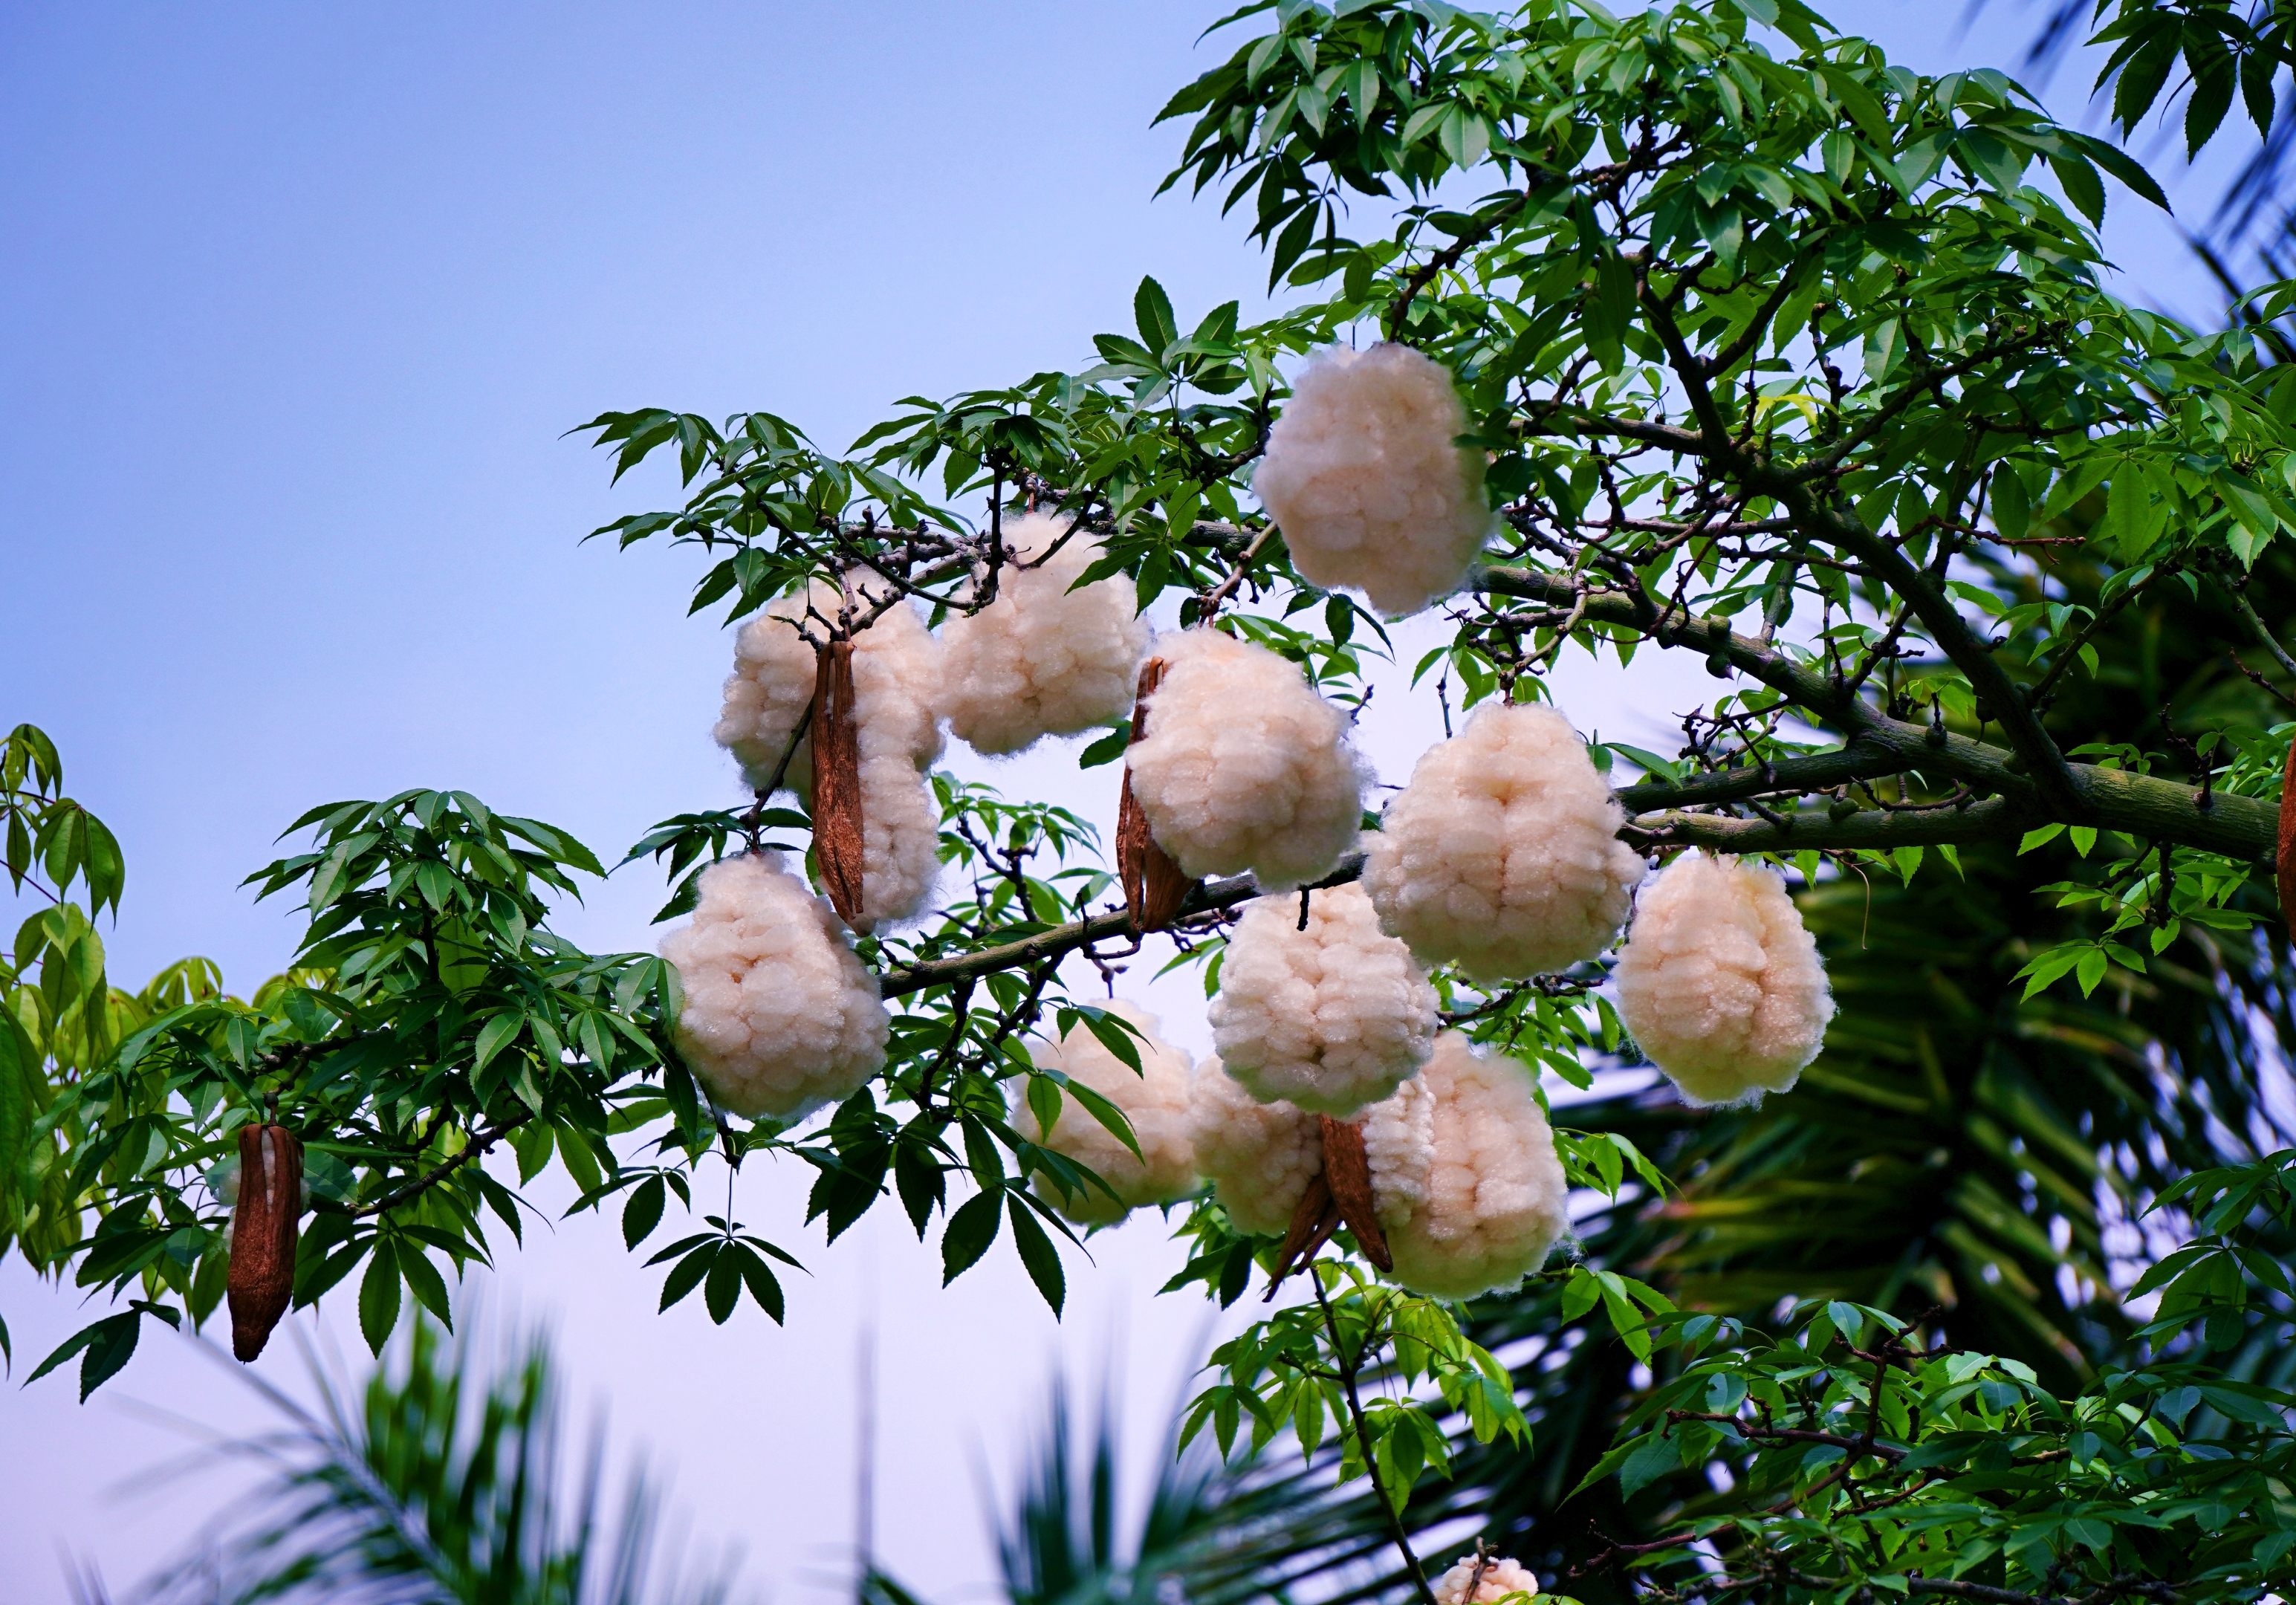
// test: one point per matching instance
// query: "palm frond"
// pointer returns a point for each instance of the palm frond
(447, 1480)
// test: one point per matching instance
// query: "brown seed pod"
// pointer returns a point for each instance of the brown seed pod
(1154, 886)
(834, 738)
(1347, 1171)
(2285, 860)
(262, 1279)
(1339, 1195)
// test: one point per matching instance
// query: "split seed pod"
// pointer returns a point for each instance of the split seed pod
(1154, 884)
(837, 824)
(261, 1282)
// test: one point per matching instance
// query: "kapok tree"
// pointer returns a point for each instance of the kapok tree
(1700, 330)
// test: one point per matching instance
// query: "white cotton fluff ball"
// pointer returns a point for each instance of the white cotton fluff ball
(1720, 982)
(1501, 1578)
(897, 676)
(1242, 766)
(897, 679)
(1502, 855)
(1495, 1192)
(1043, 660)
(1258, 1157)
(1329, 1019)
(1362, 477)
(1154, 1099)
(780, 1016)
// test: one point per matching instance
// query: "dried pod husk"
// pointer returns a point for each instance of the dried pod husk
(2284, 861)
(837, 824)
(1154, 887)
(263, 1227)
(1347, 1171)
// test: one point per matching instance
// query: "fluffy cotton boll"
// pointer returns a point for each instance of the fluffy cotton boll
(1495, 1192)
(900, 840)
(780, 1016)
(1242, 766)
(1399, 1150)
(1362, 477)
(1720, 982)
(1258, 1157)
(1502, 855)
(1043, 660)
(1329, 1019)
(1155, 1098)
(1501, 1578)
(897, 677)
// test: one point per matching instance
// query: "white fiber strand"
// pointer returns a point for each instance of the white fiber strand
(897, 676)
(1258, 1157)
(1496, 1195)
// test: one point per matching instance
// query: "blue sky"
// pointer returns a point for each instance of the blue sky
(296, 305)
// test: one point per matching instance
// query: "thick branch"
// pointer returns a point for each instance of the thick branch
(1062, 939)
(2144, 805)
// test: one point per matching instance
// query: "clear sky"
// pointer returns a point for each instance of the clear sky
(296, 305)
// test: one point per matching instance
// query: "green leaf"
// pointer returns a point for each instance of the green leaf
(1107, 750)
(971, 1229)
(687, 1275)
(1152, 308)
(641, 1212)
(1038, 1254)
(1653, 1458)
(378, 1300)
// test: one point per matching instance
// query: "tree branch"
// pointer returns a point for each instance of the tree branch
(480, 1142)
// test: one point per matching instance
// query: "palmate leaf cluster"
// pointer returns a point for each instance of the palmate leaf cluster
(1782, 356)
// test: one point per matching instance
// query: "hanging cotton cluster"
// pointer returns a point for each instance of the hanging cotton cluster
(268, 1205)
(1502, 855)
(1720, 983)
(896, 672)
(1042, 660)
(1362, 477)
(1467, 1193)
(1331, 1017)
(780, 1016)
(1154, 1098)
(1501, 1579)
(1242, 766)
(1494, 1194)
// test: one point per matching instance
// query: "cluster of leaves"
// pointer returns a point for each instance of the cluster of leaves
(1755, 326)
(1307, 1369)
(1861, 1460)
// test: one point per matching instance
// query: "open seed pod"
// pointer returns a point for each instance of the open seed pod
(1154, 884)
(837, 824)
(263, 1227)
